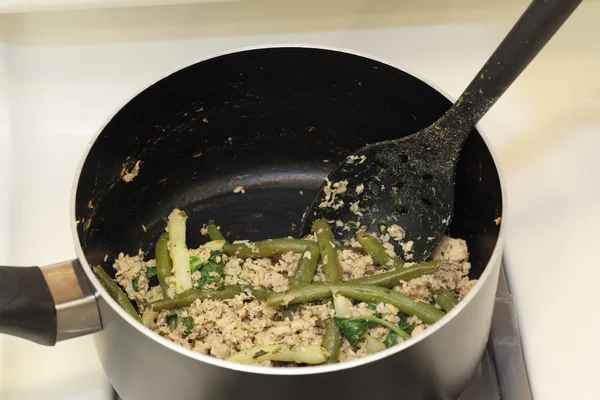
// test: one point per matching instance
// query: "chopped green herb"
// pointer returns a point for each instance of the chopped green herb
(172, 321)
(325, 300)
(135, 283)
(150, 272)
(259, 353)
(391, 339)
(352, 329)
(212, 271)
(404, 325)
(373, 308)
(188, 323)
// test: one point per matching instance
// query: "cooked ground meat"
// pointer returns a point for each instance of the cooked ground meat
(224, 328)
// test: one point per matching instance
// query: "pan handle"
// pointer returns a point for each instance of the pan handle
(47, 304)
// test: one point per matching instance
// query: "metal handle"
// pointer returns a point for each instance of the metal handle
(529, 35)
(48, 304)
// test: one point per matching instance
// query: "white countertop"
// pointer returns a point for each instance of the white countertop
(62, 74)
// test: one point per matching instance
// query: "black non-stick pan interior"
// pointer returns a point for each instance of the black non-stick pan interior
(274, 121)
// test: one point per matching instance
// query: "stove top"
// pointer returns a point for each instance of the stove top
(501, 374)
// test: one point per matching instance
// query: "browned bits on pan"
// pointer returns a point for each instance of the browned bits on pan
(130, 169)
(90, 205)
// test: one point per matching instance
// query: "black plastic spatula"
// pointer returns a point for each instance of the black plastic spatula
(410, 181)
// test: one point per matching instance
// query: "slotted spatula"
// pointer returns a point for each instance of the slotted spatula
(410, 181)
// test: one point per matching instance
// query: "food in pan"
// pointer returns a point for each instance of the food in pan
(288, 302)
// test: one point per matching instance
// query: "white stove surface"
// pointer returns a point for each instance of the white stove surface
(62, 74)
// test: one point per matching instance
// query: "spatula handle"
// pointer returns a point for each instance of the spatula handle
(530, 34)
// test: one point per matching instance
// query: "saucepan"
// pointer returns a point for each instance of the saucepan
(274, 120)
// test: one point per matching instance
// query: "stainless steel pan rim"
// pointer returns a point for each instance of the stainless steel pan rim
(100, 291)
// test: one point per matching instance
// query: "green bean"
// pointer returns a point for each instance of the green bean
(163, 262)
(392, 327)
(331, 264)
(258, 293)
(214, 233)
(309, 354)
(291, 311)
(366, 293)
(332, 340)
(377, 252)
(358, 250)
(267, 248)
(178, 250)
(115, 292)
(390, 278)
(189, 296)
(446, 299)
(307, 265)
